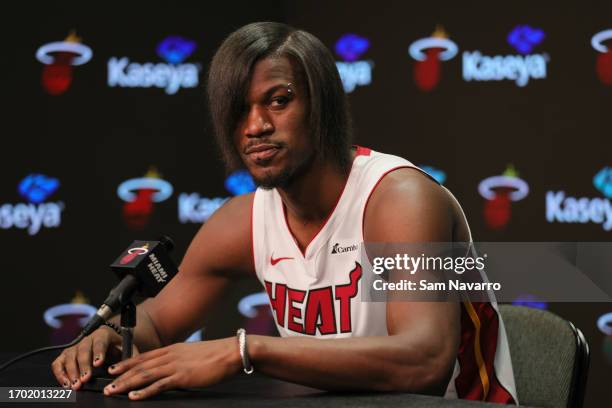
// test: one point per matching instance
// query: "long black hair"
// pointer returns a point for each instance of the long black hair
(230, 75)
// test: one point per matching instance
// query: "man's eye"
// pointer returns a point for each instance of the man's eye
(279, 101)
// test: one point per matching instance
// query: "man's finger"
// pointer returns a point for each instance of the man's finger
(84, 359)
(60, 372)
(157, 387)
(138, 377)
(99, 348)
(144, 369)
(123, 366)
(72, 368)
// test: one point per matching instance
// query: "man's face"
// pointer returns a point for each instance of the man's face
(271, 136)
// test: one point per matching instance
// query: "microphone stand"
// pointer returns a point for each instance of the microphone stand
(100, 377)
(128, 322)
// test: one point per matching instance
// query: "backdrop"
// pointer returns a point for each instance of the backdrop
(106, 136)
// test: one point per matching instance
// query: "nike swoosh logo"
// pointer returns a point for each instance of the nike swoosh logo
(277, 260)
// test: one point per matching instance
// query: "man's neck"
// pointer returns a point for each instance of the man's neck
(312, 197)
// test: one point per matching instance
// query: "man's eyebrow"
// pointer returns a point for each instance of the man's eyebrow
(274, 88)
(263, 96)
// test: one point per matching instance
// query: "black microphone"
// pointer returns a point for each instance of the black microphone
(144, 268)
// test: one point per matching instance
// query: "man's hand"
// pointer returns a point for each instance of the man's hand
(181, 365)
(73, 367)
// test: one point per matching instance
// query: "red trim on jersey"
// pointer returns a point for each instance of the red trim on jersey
(370, 195)
(363, 151)
(469, 383)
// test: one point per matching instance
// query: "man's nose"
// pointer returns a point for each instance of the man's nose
(258, 123)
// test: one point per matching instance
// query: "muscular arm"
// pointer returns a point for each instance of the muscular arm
(419, 353)
(220, 251)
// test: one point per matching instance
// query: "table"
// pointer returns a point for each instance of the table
(254, 391)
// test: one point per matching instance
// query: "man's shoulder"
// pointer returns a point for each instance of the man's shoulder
(232, 221)
(409, 185)
(407, 199)
(223, 243)
(238, 204)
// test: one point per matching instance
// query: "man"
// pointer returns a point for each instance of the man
(279, 110)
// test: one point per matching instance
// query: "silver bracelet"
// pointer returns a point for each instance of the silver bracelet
(244, 353)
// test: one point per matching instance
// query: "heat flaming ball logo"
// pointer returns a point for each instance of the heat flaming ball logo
(603, 65)
(353, 71)
(428, 52)
(500, 191)
(59, 58)
(257, 314)
(133, 253)
(604, 323)
(139, 195)
(66, 320)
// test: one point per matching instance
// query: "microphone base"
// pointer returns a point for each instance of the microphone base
(100, 378)
(97, 384)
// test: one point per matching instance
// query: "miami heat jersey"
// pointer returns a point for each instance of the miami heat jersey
(317, 292)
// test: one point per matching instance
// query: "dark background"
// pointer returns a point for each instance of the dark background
(555, 131)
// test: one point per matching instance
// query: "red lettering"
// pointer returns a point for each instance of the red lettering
(319, 311)
(344, 293)
(277, 301)
(293, 312)
(320, 305)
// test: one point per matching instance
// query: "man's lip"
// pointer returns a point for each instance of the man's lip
(260, 148)
(263, 156)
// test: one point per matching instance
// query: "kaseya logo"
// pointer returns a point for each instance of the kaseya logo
(428, 52)
(518, 68)
(171, 76)
(567, 209)
(59, 57)
(500, 191)
(139, 195)
(604, 58)
(196, 209)
(353, 70)
(37, 212)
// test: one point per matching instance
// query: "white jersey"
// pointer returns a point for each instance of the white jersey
(316, 292)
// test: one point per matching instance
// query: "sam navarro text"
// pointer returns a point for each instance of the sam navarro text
(425, 285)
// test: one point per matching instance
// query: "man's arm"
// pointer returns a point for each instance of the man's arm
(220, 251)
(420, 351)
